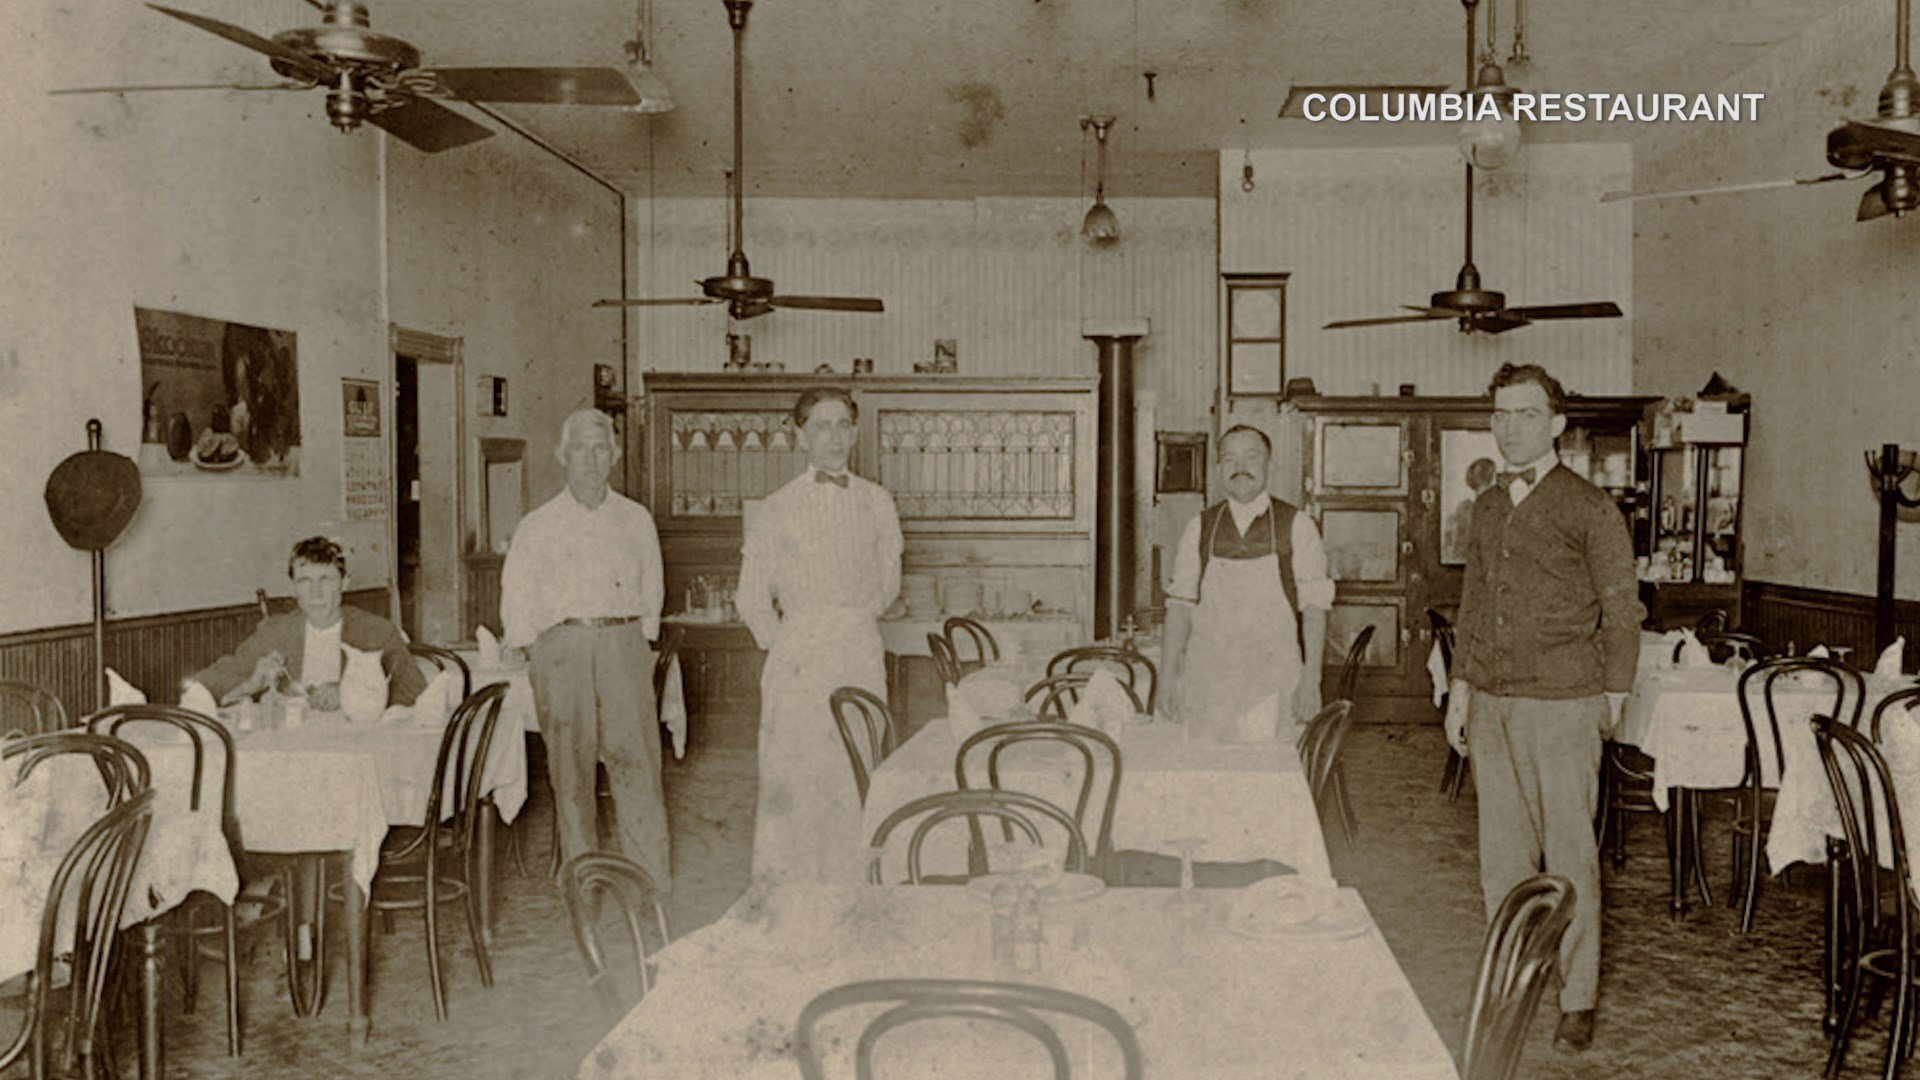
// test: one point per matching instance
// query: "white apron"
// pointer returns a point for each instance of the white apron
(1243, 655)
(807, 824)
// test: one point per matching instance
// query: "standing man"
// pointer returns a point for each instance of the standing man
(1247, 609)
(820, 564)
(581, 591)
(1545, 649)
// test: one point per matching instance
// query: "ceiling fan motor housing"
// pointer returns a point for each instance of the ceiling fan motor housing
(367, 61)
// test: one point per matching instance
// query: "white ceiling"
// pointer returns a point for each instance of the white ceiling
(959, 98)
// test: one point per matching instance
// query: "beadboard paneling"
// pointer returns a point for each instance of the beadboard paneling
(1783, 615)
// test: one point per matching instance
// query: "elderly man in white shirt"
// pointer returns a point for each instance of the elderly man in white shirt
(581, 592)
(820, 564)
(1246, 631)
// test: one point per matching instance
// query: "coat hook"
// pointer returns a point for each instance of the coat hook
(1150, 76)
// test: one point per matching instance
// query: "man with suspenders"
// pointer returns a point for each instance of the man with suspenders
(1247, 607)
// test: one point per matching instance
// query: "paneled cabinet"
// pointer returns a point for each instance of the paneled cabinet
(993, 479)
(1391, 482)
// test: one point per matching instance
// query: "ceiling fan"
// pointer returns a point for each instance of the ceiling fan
(377, 79)
(1888, 144)
(746, 296)
(1476, 308)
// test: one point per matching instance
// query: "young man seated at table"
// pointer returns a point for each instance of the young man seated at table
(305, 645)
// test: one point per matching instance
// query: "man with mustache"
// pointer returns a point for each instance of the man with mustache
(1247, 608)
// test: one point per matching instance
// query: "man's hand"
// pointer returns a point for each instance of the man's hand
(1615, 703)
(324, 696)
(1457, 698)
(1306, 698)
(1169, 706)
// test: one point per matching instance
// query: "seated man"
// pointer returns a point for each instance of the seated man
(304, 646)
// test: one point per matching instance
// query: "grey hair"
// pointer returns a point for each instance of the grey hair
(589, 416)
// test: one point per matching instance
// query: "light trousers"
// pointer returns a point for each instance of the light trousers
(594, 690)
(1536, 767)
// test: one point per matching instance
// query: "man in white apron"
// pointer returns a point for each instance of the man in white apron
(1247, 608)
(820, 563)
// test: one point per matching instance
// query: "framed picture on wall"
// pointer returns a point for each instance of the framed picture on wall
(1468, 461)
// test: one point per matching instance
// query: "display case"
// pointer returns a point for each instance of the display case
(1688, 541)
(993, 479)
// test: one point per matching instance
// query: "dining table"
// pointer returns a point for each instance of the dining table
(1209, 995)
(1241, 801)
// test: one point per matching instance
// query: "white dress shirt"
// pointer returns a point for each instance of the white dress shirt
(1310, 578)
(320, 654)
(567, 561)
(817, 544)
(1520, 489)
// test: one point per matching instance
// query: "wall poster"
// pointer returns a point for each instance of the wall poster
(217, 398)
(363, 458)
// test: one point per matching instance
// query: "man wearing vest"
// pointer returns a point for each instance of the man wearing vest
(1247, 607)
(1545, 648)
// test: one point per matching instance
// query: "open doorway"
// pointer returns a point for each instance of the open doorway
(427, 485)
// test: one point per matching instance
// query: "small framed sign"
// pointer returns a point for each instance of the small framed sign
(1180, 462)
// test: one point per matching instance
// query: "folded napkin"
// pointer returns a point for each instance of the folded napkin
(1692, 653)
(985, 697)
(1888, 666)
(673, 709)
(1437, 671)
(489, 647)
(122, 692)
(435, 704)
(1819, 652)
(199, 699)
(1103, 704)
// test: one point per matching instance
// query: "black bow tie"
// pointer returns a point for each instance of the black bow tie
(1506, 479)
(839, 478)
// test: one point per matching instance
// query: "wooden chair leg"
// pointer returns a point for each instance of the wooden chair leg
(1676, 828)
(1752, 867)
(433, 938)
(1695, 853)
(476, 921)
(232, 951)
(1459, 777)
(187, 953)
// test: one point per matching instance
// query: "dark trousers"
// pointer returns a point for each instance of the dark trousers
(594, 690)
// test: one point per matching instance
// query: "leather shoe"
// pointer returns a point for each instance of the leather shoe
(1575, 1032)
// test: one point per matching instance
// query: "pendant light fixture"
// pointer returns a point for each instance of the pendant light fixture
(1101, 226)
(1490, 142)
(654, 96)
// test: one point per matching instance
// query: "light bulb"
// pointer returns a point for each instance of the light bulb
(1488, 143)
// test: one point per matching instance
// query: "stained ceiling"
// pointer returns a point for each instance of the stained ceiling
(968, 98)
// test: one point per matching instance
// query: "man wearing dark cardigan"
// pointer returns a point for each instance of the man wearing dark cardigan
(1545, 649)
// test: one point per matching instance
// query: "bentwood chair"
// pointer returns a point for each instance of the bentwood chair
(1457, 767)
(985, 649)
(1877, 925)
(1320, 744)
(1758, 687)
(945, 663)
(438, 862)
(1350, 670)
(1723, 646)
(866, 730)
(1018, 809)
(1713, 622)
(1058, 694)
(1099, 761)
(592, 877)
(911, 1001)
(1127, 663)
(27, 709)
(91, 886)
(205, 733)
(1517, 963)
(1626, 787)
(443, 659)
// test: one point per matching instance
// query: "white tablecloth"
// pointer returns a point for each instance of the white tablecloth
(1204, 1003)
(1246, 801)
(1035, 639)
(518, 710)
(333, 786)
(1688, 721)
(41, 819)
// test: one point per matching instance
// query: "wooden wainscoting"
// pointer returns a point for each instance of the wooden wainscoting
(1792, 614)
(153, 652)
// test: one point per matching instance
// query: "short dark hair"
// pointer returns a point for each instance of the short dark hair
(319, 551)
(1244, 429)
(1517, 374)
(803, 408)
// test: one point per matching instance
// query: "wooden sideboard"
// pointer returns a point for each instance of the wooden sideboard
(993, 479)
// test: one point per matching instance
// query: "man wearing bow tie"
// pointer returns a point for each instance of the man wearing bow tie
(1544, 652)
(821, 562)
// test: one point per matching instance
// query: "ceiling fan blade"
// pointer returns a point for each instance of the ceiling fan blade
(742, 310)
(180, 86)
(828, 303)
(1871, 204)
(300, 63)
(669, 301)
(426, 125)
(1727, 189)
(1438, 314)
(1599, 309)
(1860, 144)
(1499, 322)
(539, 85)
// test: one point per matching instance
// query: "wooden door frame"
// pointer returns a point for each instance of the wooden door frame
(425, 348)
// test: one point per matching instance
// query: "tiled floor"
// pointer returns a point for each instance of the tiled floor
(1688, 999)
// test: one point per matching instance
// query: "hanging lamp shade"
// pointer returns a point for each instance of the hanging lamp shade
(651, 88)
(1101, 225)
(1488, 142)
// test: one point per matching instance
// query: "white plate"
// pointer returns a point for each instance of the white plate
(1332, 924)
(1071, 888)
